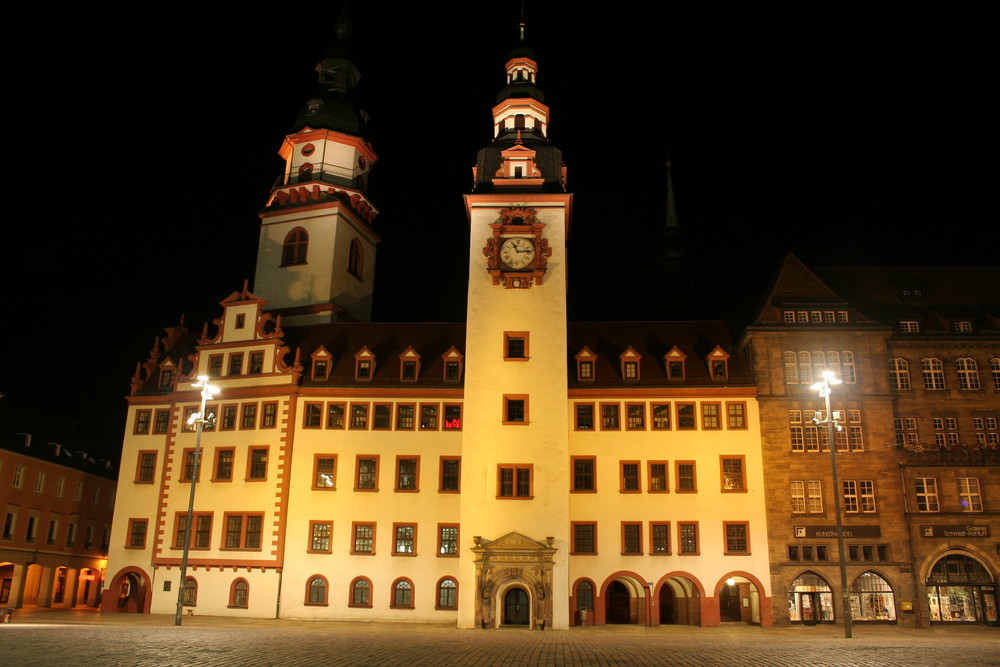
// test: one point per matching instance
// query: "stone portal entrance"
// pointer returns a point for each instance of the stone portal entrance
(514, 581)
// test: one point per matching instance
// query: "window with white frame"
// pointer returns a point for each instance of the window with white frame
(899, 374)
(791, 368)
(906, 430)
(848, 372)
(995, 371)
(807, 496)
(909, 326)
(962, 326)
(946, 431)
(859, 496)
(969, 495)
(933, 372)
(927, 494)
(968, 374)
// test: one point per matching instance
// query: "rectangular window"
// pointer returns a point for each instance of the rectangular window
(319, 536)
(367, 473)
(228, 422)
(807, 496)
(609, 416)
(224, 464)
(927, 495)
(631, 538)
(584, 537)
(736, 416)
(515, 409)
(236, 363)
(270, 416)
(142, 419)
(71, 535)
(850, 496)
(630, 477)
(515, 345)
(447, 540)
(325, 471)
(661, 416)
(583, 473)
(405, 416)
(405, 539)
(514, 481)
(452, 371)
(146, 469)
(407, 472)
(189, 415)
(428, 416)
(359, 416)
(215, 366)
(635, 416)
(710, 416)
(53, 533)
(249, 418)
(408, 370)
(334, 415)
(685, 474)
(10, 524)
(32, 530)
(363, 369)
(382, 417)
(256, 363)
(584, 416)
(450, 474)
(733, 473)
(630, 371)
(363, 541)
(202, 537)
(687, 534)
(188, 472)
(658, 477)
(452, 417)
(243, 531)
(685, 417)
(969, 495)
(737, 537)
(257, 464)
(659, 537)
(161, 422)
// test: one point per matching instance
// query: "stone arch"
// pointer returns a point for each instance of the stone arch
(513, 560)
(743, 601)
(677, 599)
(134, 583)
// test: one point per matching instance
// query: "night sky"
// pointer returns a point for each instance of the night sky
(147, 144)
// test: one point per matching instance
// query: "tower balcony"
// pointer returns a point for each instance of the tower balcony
(323, 172)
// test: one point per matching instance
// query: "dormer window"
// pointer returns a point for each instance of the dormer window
(364, 365)
(674, 360)
(718, 364)
(585, 365)
(452, 365)
(909, 326)
(166, 378)
(409, 365)
(962, 326)
(630, 364)
(241, 321)
(322, 361)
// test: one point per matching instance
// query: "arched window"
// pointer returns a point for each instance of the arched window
(295, 247)
(305, 172)
(361, 592)
(402, 594)
(791, 368)
(190, 592)
(968, 374)
(899, 374)
(239, 594)
(447, 594)
(316, 590)
(872, 595)
(356, 261)
(933, 372)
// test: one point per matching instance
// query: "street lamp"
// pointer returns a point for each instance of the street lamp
(198, 419)
(824, 387)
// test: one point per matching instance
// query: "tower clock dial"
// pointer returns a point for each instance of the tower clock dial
(517, 252)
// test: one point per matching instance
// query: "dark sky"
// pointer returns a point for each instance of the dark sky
(147, 144)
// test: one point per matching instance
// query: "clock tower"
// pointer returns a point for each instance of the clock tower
(515, 446)
(316, 258)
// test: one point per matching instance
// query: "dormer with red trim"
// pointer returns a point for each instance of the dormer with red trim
(409, 365)
(630, 363)
(585, 363)
(675, 360)
(718, 364)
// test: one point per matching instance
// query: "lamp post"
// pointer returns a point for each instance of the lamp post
(824, 387)
(198, 419)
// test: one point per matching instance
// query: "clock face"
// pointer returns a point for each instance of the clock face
(517, 252)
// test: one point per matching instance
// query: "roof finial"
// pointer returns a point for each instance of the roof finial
(522, 21)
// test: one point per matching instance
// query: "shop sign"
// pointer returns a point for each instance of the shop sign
(955, 531)
(830, 532)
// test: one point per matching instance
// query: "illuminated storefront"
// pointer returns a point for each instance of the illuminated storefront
(872, 599)
(810, 599)
(961, 590)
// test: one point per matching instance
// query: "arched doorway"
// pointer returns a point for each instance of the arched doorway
(6, 582)
(516, 607)
(739, 600)
(680, 602)
(127, 592)
(961, 590)
(618, 604)
(810, 599)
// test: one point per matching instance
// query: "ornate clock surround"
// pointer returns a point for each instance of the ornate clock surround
(517, 223)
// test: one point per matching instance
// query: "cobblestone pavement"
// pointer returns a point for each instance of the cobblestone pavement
(83, 638)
